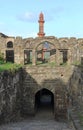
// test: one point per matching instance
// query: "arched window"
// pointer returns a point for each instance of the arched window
(10, 44)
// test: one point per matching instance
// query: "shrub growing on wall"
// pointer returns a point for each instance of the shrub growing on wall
(1, 58)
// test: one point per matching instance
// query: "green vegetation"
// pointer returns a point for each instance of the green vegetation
(40, 63)
(1, 58)
(63, 64)
(80, 115)
(9, 66)
(50, 64)
(46, 64)
(76, 63)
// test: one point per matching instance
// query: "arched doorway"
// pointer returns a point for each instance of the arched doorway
(44, 102)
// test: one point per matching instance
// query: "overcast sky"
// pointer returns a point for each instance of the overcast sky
(63, 18)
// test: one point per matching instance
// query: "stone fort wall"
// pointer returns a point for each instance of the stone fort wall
(72, 46)
(18, 90)
(54, 79)
(76, 86)
(10, 96)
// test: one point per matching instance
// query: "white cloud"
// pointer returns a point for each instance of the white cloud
(27, 17)
(33, 16)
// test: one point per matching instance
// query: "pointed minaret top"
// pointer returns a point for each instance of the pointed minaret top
(41, 17)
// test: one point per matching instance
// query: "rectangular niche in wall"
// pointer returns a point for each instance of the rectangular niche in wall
(27, 56)
(10, 56)
(64, 56)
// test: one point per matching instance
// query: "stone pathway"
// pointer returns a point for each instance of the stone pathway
(36, 125)
(43, 120)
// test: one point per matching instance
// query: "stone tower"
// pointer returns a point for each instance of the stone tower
(41, 25)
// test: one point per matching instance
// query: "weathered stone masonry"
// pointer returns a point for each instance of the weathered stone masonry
(19, 90)
(32, 50)
(76, 86)
(54, 79)
(10, 95)
(42, 48)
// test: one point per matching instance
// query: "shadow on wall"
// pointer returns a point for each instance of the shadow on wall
(63, 95)
(76, 87)
(27, 94)
(50, 91)
(10, 91)
(19, 93)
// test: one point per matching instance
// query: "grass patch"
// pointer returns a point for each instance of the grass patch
(9, 66)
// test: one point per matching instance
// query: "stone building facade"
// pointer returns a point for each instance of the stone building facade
(21, 91)
(30, 50)
(42, 48)
(36, 82)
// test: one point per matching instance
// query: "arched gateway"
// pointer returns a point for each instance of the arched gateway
(44, 99)
(45, 89)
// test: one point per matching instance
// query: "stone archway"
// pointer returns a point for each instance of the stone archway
(45, 53)
(44, 102)
(41, 50)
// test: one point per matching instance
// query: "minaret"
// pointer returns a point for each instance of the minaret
(41, 25)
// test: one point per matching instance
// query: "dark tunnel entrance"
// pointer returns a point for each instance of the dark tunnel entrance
(44, 102)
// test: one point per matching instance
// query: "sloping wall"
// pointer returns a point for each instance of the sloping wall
(76, 86)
